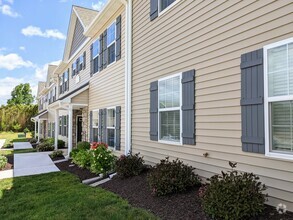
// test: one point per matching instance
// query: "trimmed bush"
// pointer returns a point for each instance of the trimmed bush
(45, 147)
(61, 144)
(233, 195)
(50, 141)
(33, 140)
(82, 158)
(171, 177)
(83, 145)
(56, 153)
(130, 165)
(3, 162)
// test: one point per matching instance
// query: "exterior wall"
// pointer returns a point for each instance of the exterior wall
(208, 36)
(78, 37)
(82, 98)
(107, 87)
(85, 125)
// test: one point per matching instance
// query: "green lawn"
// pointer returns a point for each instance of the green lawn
(13, 137)
(61, 196)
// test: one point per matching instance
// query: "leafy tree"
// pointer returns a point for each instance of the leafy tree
(21, 94)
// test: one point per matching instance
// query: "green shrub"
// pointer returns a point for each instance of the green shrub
(3, 162)
(45, 147)
(233, 195)
(102, 160)
(130, 165)
(82, 158)
(171, 177)
(26, 130)
(83, 145)
(56, 153)
(49, 141)
(73, 152)
(33, 140)
(61, 144)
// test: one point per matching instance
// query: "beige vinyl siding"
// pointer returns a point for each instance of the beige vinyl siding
(208, 36)
(82, 98)
(107, 88)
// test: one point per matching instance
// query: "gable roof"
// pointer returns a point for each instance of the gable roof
(51, 69)
(80, 19)
(41, 86)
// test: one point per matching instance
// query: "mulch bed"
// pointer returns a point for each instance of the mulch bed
(10, 161)
(178, 206)
(57, 158)
(83, 174)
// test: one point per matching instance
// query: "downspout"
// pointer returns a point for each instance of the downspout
(128, 77)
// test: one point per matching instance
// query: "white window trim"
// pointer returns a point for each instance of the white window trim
(113, 128)
(267, 100)
(161, 12)
(113, 42)
(171, 109)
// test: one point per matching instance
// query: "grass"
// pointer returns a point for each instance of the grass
(20, 151)
(60, 195)
(12, 137)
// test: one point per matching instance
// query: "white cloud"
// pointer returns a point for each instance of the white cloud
(7, 84)
(99, 5)
(49, 33)
(41, 72)
(13, 61)
(22, 47)
(7, 10)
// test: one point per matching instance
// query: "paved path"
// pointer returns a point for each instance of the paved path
(22, 145)
(2, 141)
(27, 164)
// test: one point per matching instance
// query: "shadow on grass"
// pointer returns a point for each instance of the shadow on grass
(60, 195)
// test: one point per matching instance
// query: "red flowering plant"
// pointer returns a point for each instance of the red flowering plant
(95, 145)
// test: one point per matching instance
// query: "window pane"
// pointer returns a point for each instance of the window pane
(95, 135)
(169, 92)
(111, 118)
(111, 54)
(96, 48)
(170, 126)
(110, 137)
(95, 118)
(165, 3)
(111, 34)
(281, 126)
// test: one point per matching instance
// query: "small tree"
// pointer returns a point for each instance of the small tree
(21, 94)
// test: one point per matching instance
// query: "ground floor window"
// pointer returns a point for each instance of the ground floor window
(95, 126)
(111, 127)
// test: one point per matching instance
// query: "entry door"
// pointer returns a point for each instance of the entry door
(79, 128)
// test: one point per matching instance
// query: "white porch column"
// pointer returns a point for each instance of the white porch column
(69, 129)
(56, 129)
(39, 129)
(35, 128)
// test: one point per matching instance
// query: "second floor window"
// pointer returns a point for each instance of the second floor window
(74, 68)
(163, 4)
(81, 62)
(111, 42)
(66, 84)
(60, 84)
(95, 55)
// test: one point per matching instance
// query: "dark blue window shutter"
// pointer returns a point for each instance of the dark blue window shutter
(91, 126)
(105, 50)
(118, 127)
(73, 72)
(100, 126)
(60, 125)
(154, 9)
(92, 62)
(67, 127)
(154, 111)
(188, 107)
(118, 38)
(68, 79)
(84, 60)
(101, 53)
(77, 66)
(252, 102)
(104, 136)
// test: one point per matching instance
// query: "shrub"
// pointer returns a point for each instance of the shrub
(61, 144)
(83, 145)
(73, 152)
(45, 147)
(171, 177)
(102, 159)
(3, 162)
(49, 141)
(56, 153)
(130, 165)
(233, 195)
(33, 140)
(26, 130)
(82, 158)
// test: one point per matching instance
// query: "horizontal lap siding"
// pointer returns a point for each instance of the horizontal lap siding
(107, 88)
(208, 36)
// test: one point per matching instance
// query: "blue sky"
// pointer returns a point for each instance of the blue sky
(33, 34)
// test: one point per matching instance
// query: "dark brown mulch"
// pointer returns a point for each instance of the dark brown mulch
(57, 158)
(83, 174)
(10, 161)
(178, 206)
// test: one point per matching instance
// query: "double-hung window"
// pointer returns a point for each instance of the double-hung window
(81, 62)
(95, 55)
(278, 81)
(74, 68)
(60, 125)
(65, 77)
(65, 125)
(170, 109)
(61, 84)
(164, 4)
(111, 42)
(95, 125)
(111, 127)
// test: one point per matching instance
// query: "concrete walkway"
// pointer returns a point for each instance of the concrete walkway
(27, 164)
(22, 145)
(2, 141)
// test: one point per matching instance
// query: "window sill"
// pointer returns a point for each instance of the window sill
(279, 156)
(111, 64)
(170, 142)
(168, 8)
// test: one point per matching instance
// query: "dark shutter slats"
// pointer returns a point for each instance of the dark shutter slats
(91, 126)
(252, 102)
(154, 10)
(92, 62)
(118, 127)
(67, 127)
(101, 53)
(188, 107)
(100, 124)
(118, 38)
(104, 137)
(154, 111)
(73, 72)
(68, 71)
(105, 50)
(77, 66)
(84, 60)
